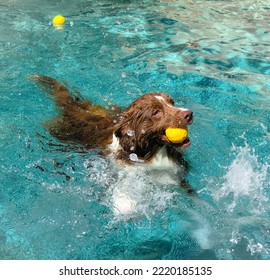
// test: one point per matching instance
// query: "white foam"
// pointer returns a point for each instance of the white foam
(140, 192)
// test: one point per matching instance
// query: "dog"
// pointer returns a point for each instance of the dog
(132, 136)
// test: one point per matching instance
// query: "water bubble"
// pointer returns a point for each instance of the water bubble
(143, 131)
(134, 157)
(130, 133)
(124, 75)
(132, 148)
(71, 23)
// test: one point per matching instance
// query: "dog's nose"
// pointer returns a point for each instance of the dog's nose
(188, 116)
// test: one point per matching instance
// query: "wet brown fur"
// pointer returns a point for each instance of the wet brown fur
(140, 128)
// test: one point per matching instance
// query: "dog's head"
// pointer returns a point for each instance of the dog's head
(141, 129)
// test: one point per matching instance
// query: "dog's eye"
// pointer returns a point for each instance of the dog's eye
(172, 101)
(157, 112)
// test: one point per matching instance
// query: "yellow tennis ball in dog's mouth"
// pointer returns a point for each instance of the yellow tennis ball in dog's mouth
(58, 20)
(176, 135)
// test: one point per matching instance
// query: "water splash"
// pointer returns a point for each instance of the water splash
(244, 182)
(135, 192)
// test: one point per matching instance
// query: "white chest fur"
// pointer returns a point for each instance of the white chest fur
(160, 160)
(115, 145)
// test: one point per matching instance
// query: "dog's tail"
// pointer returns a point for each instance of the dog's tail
(62, 96)
(79, 121)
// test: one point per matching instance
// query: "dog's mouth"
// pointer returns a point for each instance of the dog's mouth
(184, 144)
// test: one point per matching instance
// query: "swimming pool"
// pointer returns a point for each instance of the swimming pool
(210, 56)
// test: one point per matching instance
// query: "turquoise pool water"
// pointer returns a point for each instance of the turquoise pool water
(211, 56)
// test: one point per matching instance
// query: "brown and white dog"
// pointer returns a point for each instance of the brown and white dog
(139, 130)
(133, 136)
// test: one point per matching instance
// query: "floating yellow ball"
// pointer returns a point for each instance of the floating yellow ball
(59, 20)
(176, 135)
